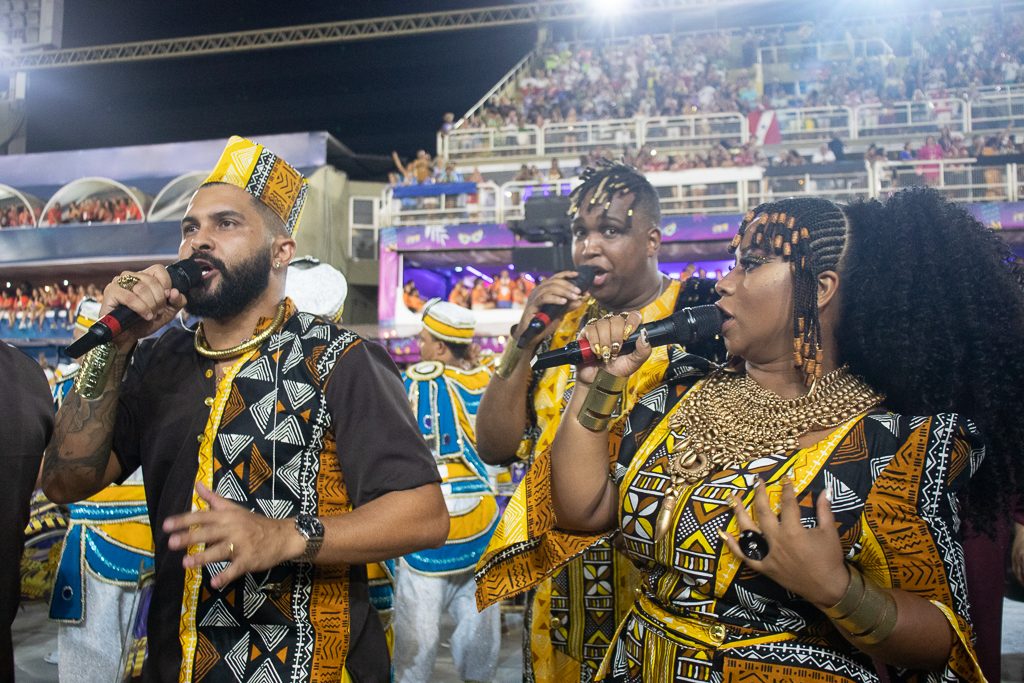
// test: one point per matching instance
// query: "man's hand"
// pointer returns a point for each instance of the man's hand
(248, 541)
(152, 297)
(557, 290)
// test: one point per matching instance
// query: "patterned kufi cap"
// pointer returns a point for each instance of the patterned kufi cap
(316, 288)
(266, 176)
(87, 313)
(449, 322)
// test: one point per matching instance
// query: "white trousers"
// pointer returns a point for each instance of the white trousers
(420, 600)
(90, 652)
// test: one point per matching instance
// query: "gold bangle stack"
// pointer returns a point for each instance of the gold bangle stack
(866, 612)
(600, 402)
(509, 359)
(91, 379)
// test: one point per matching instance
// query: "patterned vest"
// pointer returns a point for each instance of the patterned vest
(269, 446)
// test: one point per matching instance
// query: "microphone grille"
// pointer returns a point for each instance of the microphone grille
(584, 277)
(707, 322)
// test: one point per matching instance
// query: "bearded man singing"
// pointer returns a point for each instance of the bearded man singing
(270, 476)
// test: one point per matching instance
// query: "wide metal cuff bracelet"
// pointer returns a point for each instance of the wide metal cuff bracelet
(92, 376)
(600, 402)
(509, 359)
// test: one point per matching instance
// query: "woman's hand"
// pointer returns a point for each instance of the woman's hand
(605, 337)
(808, 562)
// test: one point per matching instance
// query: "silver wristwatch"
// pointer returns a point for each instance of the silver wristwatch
(312, 529)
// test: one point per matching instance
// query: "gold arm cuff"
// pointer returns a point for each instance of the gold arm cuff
(867, 612)
(601, 400)
(509, 359)
(91, 379)
(886, 623)
(851, 598)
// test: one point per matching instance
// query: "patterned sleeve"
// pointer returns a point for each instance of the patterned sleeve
(527, 546)
(910, 528)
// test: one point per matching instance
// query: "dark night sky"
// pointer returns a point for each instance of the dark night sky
(374, 96)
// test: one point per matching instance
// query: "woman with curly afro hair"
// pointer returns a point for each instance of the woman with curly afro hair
(796, 513)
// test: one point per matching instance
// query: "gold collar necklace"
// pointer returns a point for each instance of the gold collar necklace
(203, 349)
(731, 419)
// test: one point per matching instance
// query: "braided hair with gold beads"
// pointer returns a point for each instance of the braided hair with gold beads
(810, 233)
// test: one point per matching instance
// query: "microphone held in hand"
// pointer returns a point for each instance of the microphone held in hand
(185, 274)
(542, 318)
(685, 326)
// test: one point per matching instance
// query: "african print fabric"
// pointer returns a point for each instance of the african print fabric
(702, 616)
(572, 617)
(445, 400)
(269, 446)
(267, 177)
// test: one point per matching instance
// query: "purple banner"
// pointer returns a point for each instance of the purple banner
(447, 237)
(699, 228)
(999, 215)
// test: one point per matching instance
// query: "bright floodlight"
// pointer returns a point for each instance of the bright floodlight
(607, 7)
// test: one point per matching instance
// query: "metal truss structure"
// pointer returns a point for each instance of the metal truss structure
(337, 32)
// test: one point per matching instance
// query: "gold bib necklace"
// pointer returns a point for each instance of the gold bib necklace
(731, 419)
(203, 349)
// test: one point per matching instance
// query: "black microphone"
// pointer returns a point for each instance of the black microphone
(548, 312)
(185, 274)
(685, 326)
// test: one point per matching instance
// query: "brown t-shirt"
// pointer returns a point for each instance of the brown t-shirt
(161, 414)
(25, 429)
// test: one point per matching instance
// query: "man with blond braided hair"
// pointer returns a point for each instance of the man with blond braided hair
(572, 612)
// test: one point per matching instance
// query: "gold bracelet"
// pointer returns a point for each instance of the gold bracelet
(509, 359)
(866, 611)
(601, 400)
(91, 379)
(851, 599)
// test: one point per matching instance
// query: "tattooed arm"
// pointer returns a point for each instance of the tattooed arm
(79, 462)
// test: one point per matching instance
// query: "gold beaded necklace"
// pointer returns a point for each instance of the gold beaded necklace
(731, 419)
(203, 349)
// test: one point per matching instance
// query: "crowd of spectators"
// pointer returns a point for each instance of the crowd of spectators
(506, 290)
(93, 210)
(38, 308)
(927, 57)
(15, 215)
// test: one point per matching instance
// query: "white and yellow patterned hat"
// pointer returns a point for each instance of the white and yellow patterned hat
(449, 322)
(266, 176)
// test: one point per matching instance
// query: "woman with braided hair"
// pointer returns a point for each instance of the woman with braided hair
(795, 514)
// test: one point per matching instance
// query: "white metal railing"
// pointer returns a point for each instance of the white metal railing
(493, 142)
(732, 190)
(586, 136)
(823, 51)
(997, 111)
(910, 118)
(693, 131)
(513, 195)
(962, 180)
(815, 182)
(815, 124)
(474, 207)
(988, 112)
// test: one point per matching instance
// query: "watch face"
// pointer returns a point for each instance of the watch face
(310, 526)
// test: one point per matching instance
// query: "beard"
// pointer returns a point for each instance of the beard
(239, 287)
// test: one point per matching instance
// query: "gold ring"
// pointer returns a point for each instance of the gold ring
(127, 281)
(616, 346)
(231, 550)
(626, 330)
